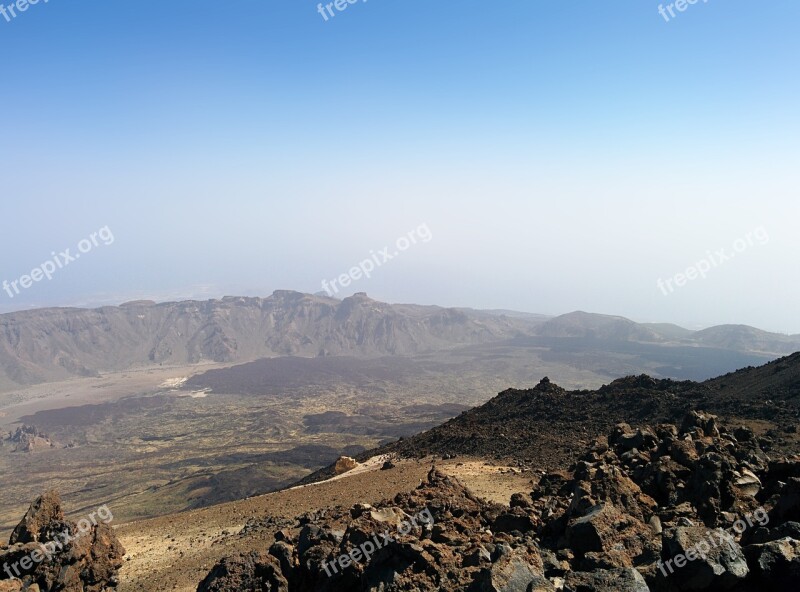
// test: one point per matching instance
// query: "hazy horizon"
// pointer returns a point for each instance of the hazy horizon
(562, 156)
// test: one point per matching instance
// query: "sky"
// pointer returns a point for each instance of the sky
(544, 156)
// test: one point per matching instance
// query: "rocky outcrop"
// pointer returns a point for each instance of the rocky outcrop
(345, 464)
(29, 439)
(47, 553)
(45, 510)
(664, 508)
(251, 571)
(776, 564)
(711, 558)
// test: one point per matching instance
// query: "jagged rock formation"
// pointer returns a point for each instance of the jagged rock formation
(29, 439)
(665, 508)
(47, 553)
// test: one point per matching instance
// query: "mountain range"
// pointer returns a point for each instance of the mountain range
(53, 344)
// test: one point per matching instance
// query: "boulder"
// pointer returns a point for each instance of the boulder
(787, 507)
(703, 424)
(746, 483)
(776, 564)
(57, 555)
(609, 484)
(345, 464)
(250, 572)
(763, 535)
(44, 510)
(700, 558)
(515, 520)
(513, 572)
(616, 580)
(605, 529)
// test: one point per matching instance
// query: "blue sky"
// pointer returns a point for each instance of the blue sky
(564, 155)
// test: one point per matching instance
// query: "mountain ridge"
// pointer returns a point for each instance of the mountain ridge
(52, 344)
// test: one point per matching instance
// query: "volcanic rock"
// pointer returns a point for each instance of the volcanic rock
(50, 554)
(251, 572)
(657, 508)
(699, 558)
(617, 580)
(776, 564)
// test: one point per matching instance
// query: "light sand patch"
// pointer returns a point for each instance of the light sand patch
(201, 394)
(492, 482)
(174, 383)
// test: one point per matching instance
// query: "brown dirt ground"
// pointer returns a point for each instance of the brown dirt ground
(175, 552)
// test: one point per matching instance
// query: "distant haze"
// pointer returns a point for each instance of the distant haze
(564, 156)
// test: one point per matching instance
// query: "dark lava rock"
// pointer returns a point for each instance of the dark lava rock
(44, 510)
(660, 508)
(776, 564)
(617, 580)
(251, 572)
(699, 558)
(55, 555)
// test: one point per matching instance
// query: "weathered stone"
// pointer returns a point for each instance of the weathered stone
(477, 557)
(606, 529)
(44, 509)
(75, 560)
(617, 580)
(358, 509)
(251, 572)
(520, 500)
(512, 573)
(705, 422)
(699, 558)
(765, 535)
(747, 483)
(394, 516)
(284, 553)
(513, 521)
(655, 525)
(787, 507)
(776, 563)
(540, 584)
